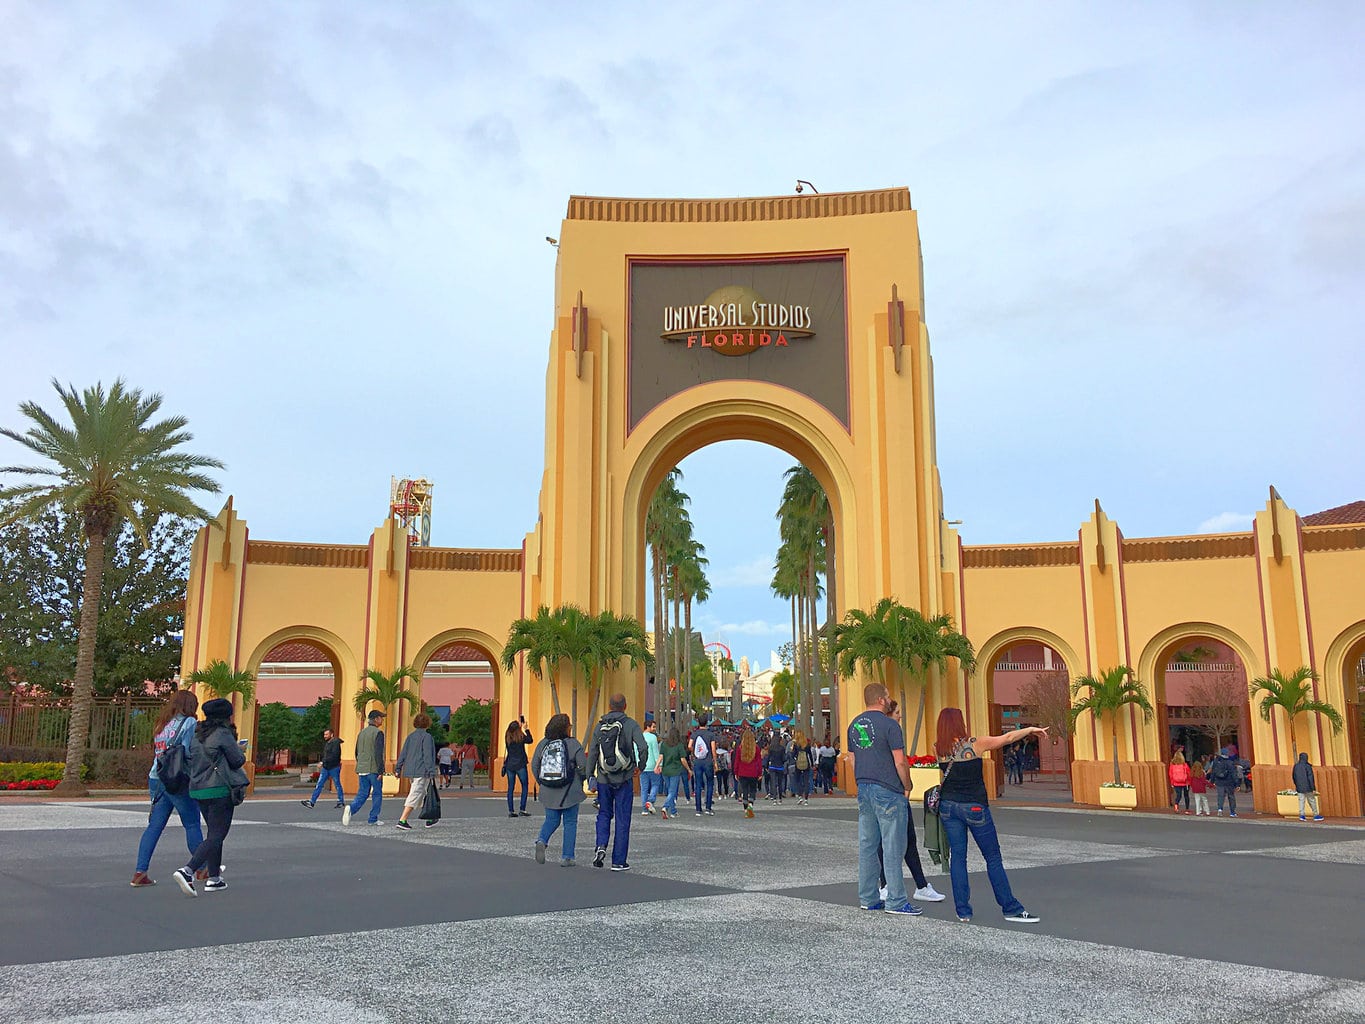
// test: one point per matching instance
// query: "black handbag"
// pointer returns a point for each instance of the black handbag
(431, 803)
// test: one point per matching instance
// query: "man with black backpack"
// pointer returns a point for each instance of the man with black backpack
(1226, 775)
(618, 746)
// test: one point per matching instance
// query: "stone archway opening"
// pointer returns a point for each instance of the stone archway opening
(1028, 683)
(788, 449)
(306, 677)
(1353, 685)
(1200, 689)
(458, 682)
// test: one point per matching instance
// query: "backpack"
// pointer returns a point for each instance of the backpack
(612, 757)
(802, 760)
(556, 770)
(701, 749)
(173, 766)
(1223, 772)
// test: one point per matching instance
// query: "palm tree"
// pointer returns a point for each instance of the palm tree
(935, 642)
(219, 678)
(387, 690)
(694, 585)
(113, 462)
(805, 518)
(1291, 694)
(667, 526)
(539, 639)
(878, 640)
(1106, 695)
(613, 638)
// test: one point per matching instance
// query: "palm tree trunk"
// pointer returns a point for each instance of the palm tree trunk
(83, 684)
(829, 626)
(813, 709)
(1114, 735)
(677, 653)
(796, 641)
(1293, 739)
(657, 574)
(687, 646)
(919, 717)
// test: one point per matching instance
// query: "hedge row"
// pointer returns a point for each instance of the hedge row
(125, 768)
(27, 772)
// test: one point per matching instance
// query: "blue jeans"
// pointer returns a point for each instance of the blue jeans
(650, 787)
(670, 790)
(569, 817)
(959, 819)
(704, 775)
(512, 777)
(323, 775)
(368, 784)
(803, 783)
(162, 805)
(614, 801)
(881, 819)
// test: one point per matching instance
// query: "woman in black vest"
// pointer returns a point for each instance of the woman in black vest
(963, 808)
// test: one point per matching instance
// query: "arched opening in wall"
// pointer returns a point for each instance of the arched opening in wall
(1029, 684)
(458, 685)
(738, 547)
(1353, 685)
(1202, 703)
(298, 695)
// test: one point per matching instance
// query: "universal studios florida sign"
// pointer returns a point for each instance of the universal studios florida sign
(735, 321)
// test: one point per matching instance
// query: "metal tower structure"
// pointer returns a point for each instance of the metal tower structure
(410, 504)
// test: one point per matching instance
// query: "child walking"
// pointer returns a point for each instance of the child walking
(1199, 786)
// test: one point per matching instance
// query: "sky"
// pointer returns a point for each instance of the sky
(319, 231)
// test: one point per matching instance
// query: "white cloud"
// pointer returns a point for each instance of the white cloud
(1226, 522)
(757, 572)
(755, 627)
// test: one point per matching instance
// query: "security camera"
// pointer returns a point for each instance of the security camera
(798, 188)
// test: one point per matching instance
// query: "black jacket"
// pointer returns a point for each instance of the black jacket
(331, 753)
(1303, 776)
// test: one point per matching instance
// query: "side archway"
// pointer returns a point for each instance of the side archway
(1344, 679)
(489, 648)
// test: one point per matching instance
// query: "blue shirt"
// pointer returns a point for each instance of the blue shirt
(872, 736)
(652, 756)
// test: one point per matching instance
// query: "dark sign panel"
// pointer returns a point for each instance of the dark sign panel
(781, 321)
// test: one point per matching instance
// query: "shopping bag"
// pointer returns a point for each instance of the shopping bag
(431, 803)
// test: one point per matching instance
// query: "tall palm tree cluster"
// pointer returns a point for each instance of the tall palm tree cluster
(587, 645)
(805, 558)
(677, 568)
(901, 646)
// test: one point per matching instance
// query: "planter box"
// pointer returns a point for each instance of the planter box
(923, 779)
(1288, 806)
(1116, 799)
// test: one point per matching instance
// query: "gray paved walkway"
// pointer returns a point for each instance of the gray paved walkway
(1145, 919)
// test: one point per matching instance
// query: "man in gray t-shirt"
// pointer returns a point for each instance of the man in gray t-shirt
(879, 767)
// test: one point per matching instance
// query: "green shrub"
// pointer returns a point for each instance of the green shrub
(122, 767)
(20, 771)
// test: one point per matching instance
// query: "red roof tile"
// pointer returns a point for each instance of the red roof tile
(459, 652)
(1339, 516)
(294, 651)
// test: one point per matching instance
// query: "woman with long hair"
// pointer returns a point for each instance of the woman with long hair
(218, 784)
(672, 759)
(776, 775)
(963, 808)
(517, 737)
(748, 770)
(1179, 774)
(560, 777)
(417, 761)
(175, 724)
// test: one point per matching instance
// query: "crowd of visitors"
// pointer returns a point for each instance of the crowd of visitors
(197, 772)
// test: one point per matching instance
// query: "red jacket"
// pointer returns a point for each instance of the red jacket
(748, 769)
(1179, 774)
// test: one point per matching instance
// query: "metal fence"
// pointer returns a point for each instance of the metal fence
(116, 723)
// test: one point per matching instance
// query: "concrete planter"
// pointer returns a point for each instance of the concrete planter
(924, 779)
(1287, 806)
(1114, 798)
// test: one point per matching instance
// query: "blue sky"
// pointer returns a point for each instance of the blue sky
(1142, 229)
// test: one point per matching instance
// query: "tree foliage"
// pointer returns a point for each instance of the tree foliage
(1292, 694)
(473, 720)
(220, 679)
(111, 461)
(277, 728)
(1219, 699)
(1104, 696)
(1045, 700)
(142, 604)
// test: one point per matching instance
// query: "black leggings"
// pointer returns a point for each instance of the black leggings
(217, 813)
(748, 789)
(911, 853)
(1182, 793)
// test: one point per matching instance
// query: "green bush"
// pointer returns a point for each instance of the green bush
(20, 771)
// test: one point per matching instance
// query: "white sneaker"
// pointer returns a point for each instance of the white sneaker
(346, 815)
(881, 893)
(929, 894)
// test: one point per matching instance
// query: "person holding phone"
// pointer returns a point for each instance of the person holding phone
(515, 765)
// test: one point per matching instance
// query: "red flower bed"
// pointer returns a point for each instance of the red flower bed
(924, 761)
(31, 784)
